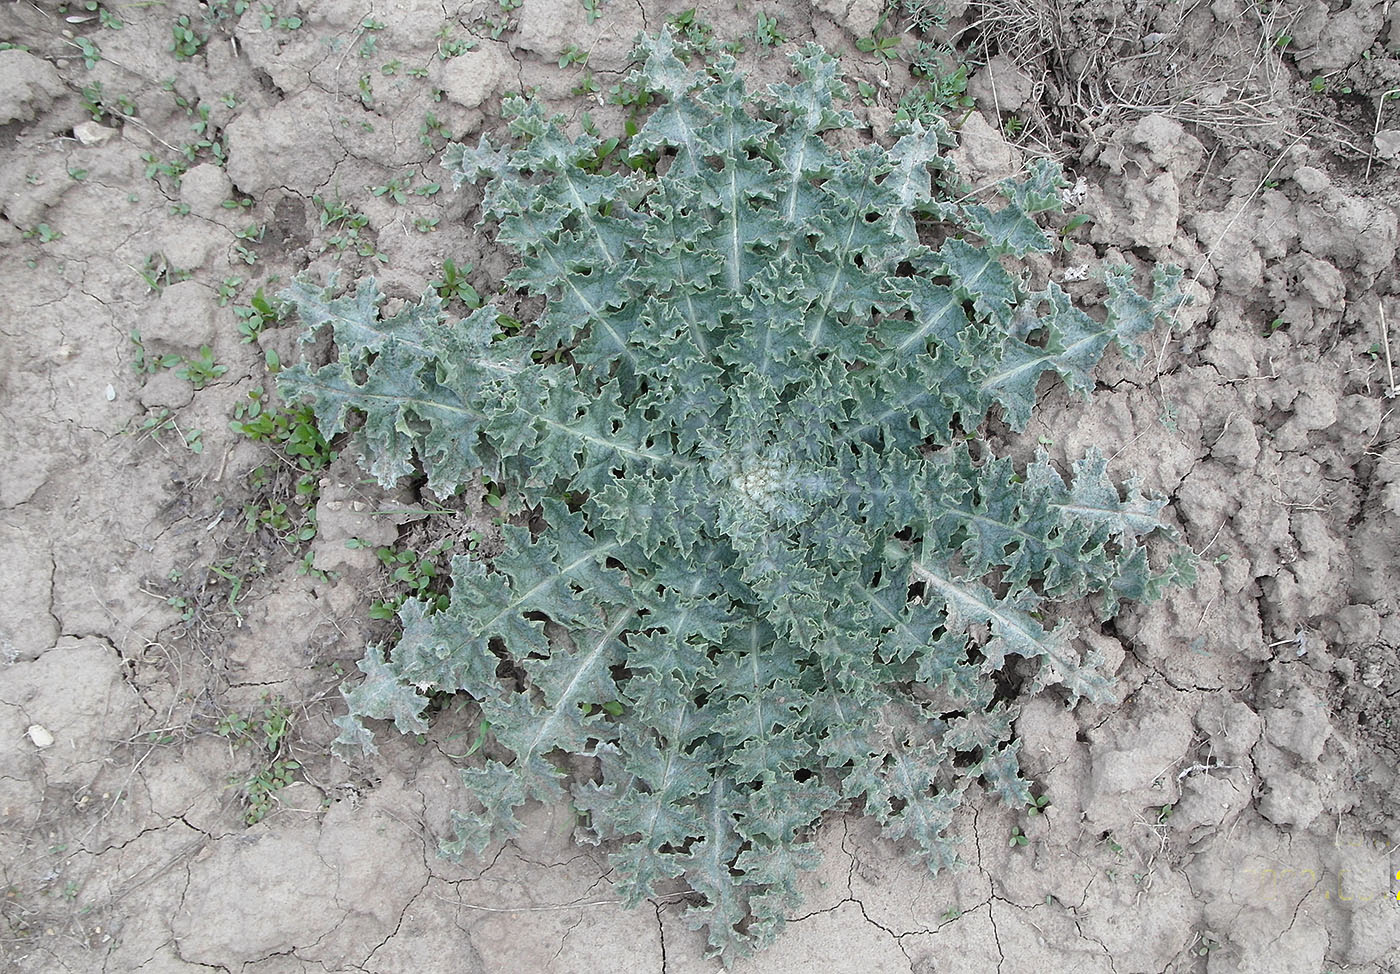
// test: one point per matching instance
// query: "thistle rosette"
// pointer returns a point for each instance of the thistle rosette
(777, 579)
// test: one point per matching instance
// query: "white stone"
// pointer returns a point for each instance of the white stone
(90, 133)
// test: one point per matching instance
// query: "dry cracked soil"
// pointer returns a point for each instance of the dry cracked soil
(169, 677)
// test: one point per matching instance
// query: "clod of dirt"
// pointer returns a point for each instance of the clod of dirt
(1291, 800)
(76, 688)
(319, 890)
(205, 188)
(28, 85)
(26, 627)
(860, 17)
(1314, 302)
(473, 77)
(268, 894)
(982, 154)
(426, 935)
(1387, 143)
(1168, 145)
(285, 146)
(1129, 754)
(1311, 180)
(1350, 231)
(1331, 40)
(166, 390)
(341, 514)
(1001, 86)
(1155, 157)
(185, 318)
(1306, 768)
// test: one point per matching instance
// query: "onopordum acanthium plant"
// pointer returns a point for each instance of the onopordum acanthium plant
(764, 567)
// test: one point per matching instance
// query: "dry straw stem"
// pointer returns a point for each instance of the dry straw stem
(1371, 153)
(1022, 31)
(1226, 78)
(1390, 391)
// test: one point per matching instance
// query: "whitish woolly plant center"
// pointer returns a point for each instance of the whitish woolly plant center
(760, 483)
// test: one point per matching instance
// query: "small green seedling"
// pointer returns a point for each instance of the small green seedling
(270, 19)
(89, 50)
(145, 364)
(202, 370)
(185, 42)
(163, 421)
(44, 232)
(766, 33)
(588, 85)
(396, 189)
(259, 313)
(292, 432)
(433, 131)
(885, 47)
(105, 17)
(370, 45)
(227, 289)
(285, 493)
(944, 87)
(572, 55)
(450, 46)
(346, 223)
(265, 733)
(1073, 224)
(694, 36)
(415, 572)
(236, 582)
(452, 284)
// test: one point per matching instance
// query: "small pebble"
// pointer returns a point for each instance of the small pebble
(90, 133)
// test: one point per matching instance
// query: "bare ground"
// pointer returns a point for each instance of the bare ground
(1235, 812)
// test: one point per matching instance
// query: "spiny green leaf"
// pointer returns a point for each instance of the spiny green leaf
(382, 695)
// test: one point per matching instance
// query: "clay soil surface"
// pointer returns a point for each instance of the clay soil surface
(169, 678)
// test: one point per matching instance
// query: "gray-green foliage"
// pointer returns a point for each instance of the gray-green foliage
(765, 574)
